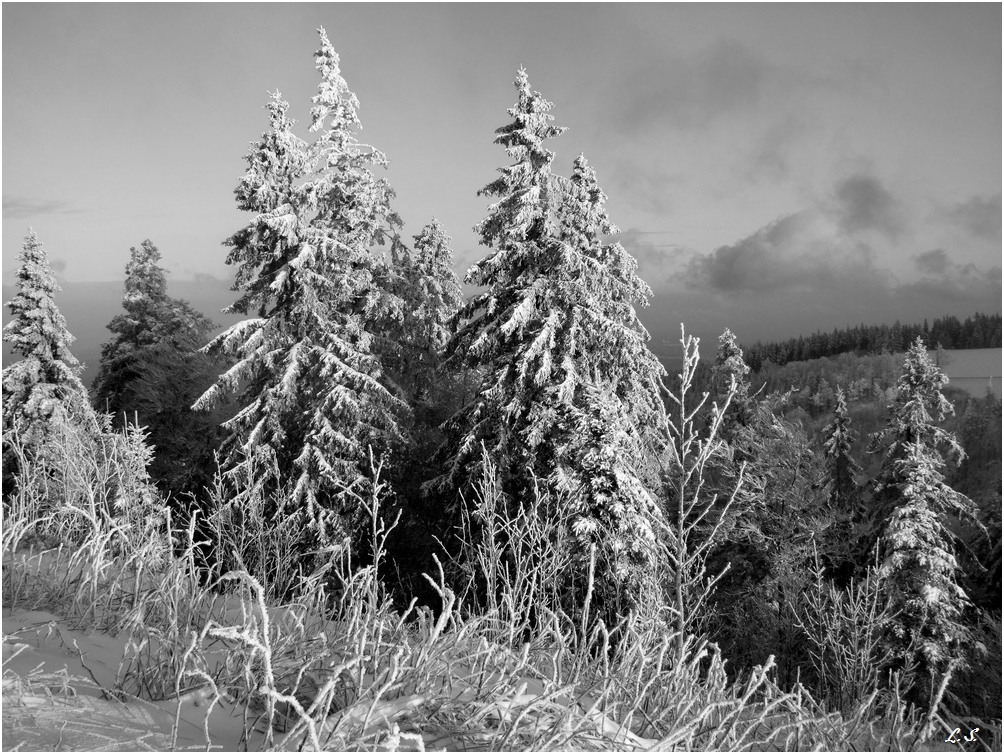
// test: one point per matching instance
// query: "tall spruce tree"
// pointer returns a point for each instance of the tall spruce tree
(840, 484)
(44, 387)
(768, 530)
(151, 317)
(151, 372)
(313, 396)
(730, 365)
(842, 494)
(522, 230)
(570, 391)
(432, 296)
(609, 467)
(439, 295)
(919, 570)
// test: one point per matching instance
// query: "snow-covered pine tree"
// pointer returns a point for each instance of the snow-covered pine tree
(840, 484)
(151, 318)
(520, 227)
(312, 394)
(730, 364)
(768, 529)
(836, 529)
(570, 391)
(44, 389)
(432, 295)
(439, 295)
(919, 570)
(151, 372)
(613, 434)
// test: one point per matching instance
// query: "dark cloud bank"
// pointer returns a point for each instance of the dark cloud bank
(814, 270)
(980, 216)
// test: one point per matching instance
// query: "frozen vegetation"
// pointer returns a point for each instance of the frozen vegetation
(373, 515)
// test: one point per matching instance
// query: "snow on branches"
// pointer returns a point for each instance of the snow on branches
(570, 390)
(313, 391)
(916, 544)
(44, 388)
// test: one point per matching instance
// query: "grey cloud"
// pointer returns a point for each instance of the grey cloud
(770, 158)
(945, 279)
(784, 255)
(689, 93)
(20, 206)
(862, 203)
(644, 185)
(980, 216)
(844, 301)
(659, 260)
(721, 81)
(934, 262)
(964, 286)
(58, 265)
(802, 272)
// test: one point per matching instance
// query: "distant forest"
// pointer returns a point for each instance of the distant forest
(978, 331)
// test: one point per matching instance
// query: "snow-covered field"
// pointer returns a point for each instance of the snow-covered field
(973, 369)
(439, 684)
(111, 641)
(57, 684)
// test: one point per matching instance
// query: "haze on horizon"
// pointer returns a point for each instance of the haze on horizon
(774, 169)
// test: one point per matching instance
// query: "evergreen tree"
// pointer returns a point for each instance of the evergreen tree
(313, 393)
(767, 471)
(43, 389)
(842, 494)
(570, 391)
(150, 374)
(439, 292)
(618, 420)
(432, 297)
(840, 484)
(151, 317)
(730, 365)
(919, 570)
(521, 229)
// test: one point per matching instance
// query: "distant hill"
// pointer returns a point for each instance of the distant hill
(977, 331)
(89, 307)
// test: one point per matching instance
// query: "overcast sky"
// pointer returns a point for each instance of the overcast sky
(775, 169)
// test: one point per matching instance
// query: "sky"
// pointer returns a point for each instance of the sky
(775, 169)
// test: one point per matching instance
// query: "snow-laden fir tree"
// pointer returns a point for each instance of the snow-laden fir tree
(521, 228)
(43, 390)
(438, 292)
(917, 547)
(613, 432)
(151, 318)
(312, 391)
(150, 374)
(766, 534)
(840, 483)
(431, 292)
(730, 365)
(570, 392)
(837, 534)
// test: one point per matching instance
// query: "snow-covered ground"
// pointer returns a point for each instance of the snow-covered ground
(55, 696)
